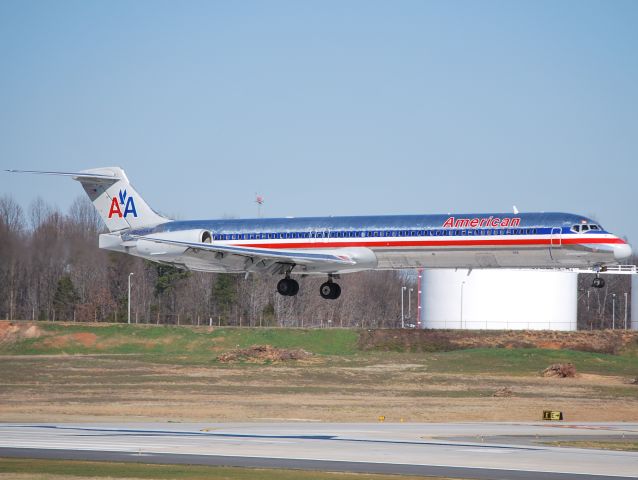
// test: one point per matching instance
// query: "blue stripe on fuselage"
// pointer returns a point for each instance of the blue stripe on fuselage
(543, 223)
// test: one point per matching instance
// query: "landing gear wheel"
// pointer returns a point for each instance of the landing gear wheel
(598, 283)
(288, 287)
(330, 290)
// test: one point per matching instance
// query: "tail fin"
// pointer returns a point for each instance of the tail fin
(117, 202)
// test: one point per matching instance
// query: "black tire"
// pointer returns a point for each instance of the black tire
(330, 290)
(325, 290)
(282, 287)
(598, 283)
(288, 287)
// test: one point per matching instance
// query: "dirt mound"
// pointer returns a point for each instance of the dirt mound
(600, 341)
(262, 354)
(560, 370)
(503, 392)
(11, 332)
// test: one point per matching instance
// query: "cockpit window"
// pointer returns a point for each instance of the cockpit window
(585, 227)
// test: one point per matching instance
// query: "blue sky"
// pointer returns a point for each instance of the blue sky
(328, 108)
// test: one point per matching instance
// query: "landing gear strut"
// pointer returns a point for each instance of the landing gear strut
(288, 287)
(330, 290)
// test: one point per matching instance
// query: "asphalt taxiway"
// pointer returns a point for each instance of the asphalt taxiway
(469, 450)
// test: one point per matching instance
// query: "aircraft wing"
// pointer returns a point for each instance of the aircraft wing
(262, 258)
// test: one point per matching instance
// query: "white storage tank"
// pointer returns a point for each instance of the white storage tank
(634, 302)
(499, 299)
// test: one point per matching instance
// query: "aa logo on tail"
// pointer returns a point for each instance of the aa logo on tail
(122, 202)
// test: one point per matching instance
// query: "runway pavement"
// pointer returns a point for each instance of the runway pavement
(470, 450)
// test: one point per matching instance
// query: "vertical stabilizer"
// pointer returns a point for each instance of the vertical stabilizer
(117, 202)
(115, 199)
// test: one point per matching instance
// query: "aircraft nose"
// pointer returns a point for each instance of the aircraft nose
(622, 251)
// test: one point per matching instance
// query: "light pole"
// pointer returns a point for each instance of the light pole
(410, 303)
(613, 311)
(129, 297)
(418, 298)
(402, 316)
(462, 285)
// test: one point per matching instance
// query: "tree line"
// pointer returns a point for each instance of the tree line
(52, 269)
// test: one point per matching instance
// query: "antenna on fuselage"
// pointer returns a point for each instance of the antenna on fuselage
(515, 209)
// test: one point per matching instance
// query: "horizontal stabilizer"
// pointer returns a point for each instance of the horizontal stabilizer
(74, 175)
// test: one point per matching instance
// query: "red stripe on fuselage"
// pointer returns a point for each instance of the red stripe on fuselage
(556, 242)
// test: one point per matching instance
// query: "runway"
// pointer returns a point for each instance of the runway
(470, 450)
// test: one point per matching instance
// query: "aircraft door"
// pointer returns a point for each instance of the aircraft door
(555, 243)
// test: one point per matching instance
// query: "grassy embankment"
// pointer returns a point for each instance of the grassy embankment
(77, 372)
(184, 345)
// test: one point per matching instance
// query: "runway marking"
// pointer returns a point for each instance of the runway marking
(168, 433)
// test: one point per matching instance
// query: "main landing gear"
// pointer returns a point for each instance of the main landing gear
(330, 290)
(288, 287)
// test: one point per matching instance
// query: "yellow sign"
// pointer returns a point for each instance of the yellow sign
(382, 418)
(552, 415)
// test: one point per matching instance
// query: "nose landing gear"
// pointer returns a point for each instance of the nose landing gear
(598, 283)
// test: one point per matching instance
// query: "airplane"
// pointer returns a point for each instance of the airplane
(332, 246)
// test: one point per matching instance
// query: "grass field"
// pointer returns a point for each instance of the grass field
(31, 469)
(111, 372)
